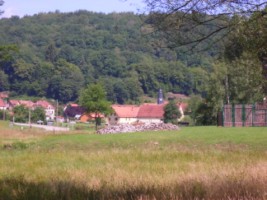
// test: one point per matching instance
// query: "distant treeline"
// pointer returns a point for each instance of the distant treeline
(60, 53)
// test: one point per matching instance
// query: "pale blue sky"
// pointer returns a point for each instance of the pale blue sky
(31, 7)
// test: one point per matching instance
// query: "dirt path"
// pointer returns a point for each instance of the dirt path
(48, 128)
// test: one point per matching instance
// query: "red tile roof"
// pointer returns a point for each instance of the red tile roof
(93, 115)
(2, 103)
(28, 104)
(14, 102)
(151, 111)
(126, 111)
(44, 104)
(85, 117)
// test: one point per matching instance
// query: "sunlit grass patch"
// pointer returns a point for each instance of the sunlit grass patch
(193, 163)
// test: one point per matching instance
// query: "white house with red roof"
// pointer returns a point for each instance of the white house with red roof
(49, 109)
(124, 114)
(129, 114)
(145, 113)
(3, 105)
(26, 103)
(151, 113)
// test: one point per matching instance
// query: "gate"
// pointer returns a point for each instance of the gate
(244, 115)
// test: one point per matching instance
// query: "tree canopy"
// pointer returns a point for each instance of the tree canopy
(63, 52)
(172, 19)
(171, 112)
(93, 100)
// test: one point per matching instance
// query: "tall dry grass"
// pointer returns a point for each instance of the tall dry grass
(129, 174)
(134, 166)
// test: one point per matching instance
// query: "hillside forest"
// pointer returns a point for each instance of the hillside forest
(55, 55)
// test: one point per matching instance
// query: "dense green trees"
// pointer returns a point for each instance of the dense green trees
(93, 100)
(24, 114)
(21, 114)
(61, 53)
(38, 114)
(240, 73)
(6, 52)
(171, 113)
(190, 22)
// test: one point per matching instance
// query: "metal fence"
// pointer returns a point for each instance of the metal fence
(244, 115)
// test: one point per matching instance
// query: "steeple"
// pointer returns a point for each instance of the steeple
(160, 97)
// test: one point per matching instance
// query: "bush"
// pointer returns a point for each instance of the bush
(4, 115)
(186, 120)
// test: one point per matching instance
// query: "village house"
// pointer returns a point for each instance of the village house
(151, 113)
(86, 117)
(3, 105)
(13, 103)
(73, 111)
(130, 114)
(28, 104)
(123, 114)
(48, 108)
(126, 114)
(145, 113)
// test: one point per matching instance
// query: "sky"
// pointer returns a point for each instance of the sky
(30, 7)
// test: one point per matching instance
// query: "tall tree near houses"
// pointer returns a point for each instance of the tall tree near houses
(38, 114)
(93, 100)
(171, 113)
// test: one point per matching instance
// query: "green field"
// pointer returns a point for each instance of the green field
(193, 163)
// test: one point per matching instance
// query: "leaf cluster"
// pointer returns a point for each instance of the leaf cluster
(61, 53)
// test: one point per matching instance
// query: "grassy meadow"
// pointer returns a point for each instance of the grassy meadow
(192, 163)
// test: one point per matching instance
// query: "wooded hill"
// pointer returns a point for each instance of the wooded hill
(60, 53)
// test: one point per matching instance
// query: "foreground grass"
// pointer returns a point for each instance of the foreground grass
(194, 163)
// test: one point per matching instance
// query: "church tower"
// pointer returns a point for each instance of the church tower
(160, 97)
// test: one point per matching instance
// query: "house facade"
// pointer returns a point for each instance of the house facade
(86, 117)
(48, 108)
(73, 110)
(151, 113)
(13, 103)
(3, 105)
(145, 113)
(123, 114)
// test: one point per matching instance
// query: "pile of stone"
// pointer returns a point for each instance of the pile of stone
(129, 128)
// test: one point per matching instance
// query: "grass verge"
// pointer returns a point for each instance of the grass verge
(194, 163)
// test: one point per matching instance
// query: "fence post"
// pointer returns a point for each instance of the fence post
(243, 115)
(223, 114)
(253, 114)
(233, 115)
